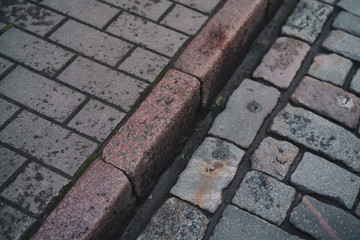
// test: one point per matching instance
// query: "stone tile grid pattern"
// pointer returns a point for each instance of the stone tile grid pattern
(355, 82)
(7, 110)
(4, 64)
(202, 5)
(348, 22)
(9, 163)
(352, 6)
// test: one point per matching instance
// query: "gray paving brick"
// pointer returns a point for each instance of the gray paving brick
(357, 210)
(149, 34)
(348, 22)
(7, 110)
(318, 134)
(149, 9)
(330, 68)
(33, 51)
(90, 11)
(144, 64)
(9, 162)
(91, 42)
(203, 5)
(2, 25)
(48, 142)
(103, 82)
(352, 6)
(13, 223)
(209, 171)
(29, 16)
(176, 220)
(320, 176)
(34, 188)
(324, 221)
(96, 120)
(344, 44)
(237, 224)
(40, 93)
(184, 19)
(355, 82)
(264, 196)
(245, 112)
(4, 64)
(274, 157)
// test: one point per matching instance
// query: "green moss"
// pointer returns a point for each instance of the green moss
(6, 28)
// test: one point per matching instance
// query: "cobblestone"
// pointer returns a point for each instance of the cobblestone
(33, 52)
(357, 210)
(330, 68)
(318, 134)
(103, 82)
(264, 196)
(329, 101)
(9, 162)
(209, 171)
(320, 176)
(40, 94)
(352, 6)
(274, 157)
(2, 25)
(324, 221)
(280, 64)
(48, 142)
(355, 82)
(203, 5)
(4, 64)
(91, 42)
(348, 22)
(7, 110)
(245, 112)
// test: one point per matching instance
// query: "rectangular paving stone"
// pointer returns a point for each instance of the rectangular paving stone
(315, 174)
(90, 11)
(34, 188)
(4, 64)
(319, 134)
(307, 20)
(48, 142)
(209, 171)
(91, 42)
(9, 163)
(355, 82)
(245, 112)
(29, 16)
(328, 100)
(203, 5)
(264, 196)
(343, 44)
(274, 157)
(352, 6)
(40, 94)
(103, 82)
(7, 109)
(347, 22)
(96, 120)
(149, 34)
(176, 220)
(323, 221)
(33, 52)
(283, 60)
(237, 224)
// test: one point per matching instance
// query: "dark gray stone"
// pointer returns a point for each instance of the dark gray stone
(324, 221)
(348, 22)
(202, 5)
(4, 64)
(352, 6)
(9, 162)
(355, 82)
(7, 110)
(2, 25)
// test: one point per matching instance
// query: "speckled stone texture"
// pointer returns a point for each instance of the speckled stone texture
(9, 163)
(222, 39)
(143, 145)
(7, 109)
(357, 210)
(95, 208)
(4, 64)
(203, 5)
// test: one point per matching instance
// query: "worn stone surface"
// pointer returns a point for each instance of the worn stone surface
(318, 134)
(355, 82)
(33, 52)
(209, 171)
(13, 223)
(348, 22)
(40, 94)
(184, 19)
(320, 176)
(176, 220)
(96, 120)
(274, 157)
(144, 64)
(103, 82)
(264, 196)
(203, 5)
(344, 44)
(329, 101)
(329, 1)
(307, 20)
(352, 6)
(237, 224)
(91, 42)
(330, 68)
(149, 34)
(2, 25)
(34, 188)
(48, 142)
(245, 112)
(94, 208)
(4, 64)
(357, 210)
(7, 109)
(324, 221)
(9, 163)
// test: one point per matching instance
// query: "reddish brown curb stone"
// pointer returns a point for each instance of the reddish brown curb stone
(143, 145)
(94, 208)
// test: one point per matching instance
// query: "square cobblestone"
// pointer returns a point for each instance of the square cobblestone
(97, 120)
(4, 64)
(144, 64)
(34, 188)
(9, 162)
(103, 82)
(7, 109)
(355, 82)
(348, 22)
(203, 5)
(48, 142)
(352, 6)
(40, 93)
